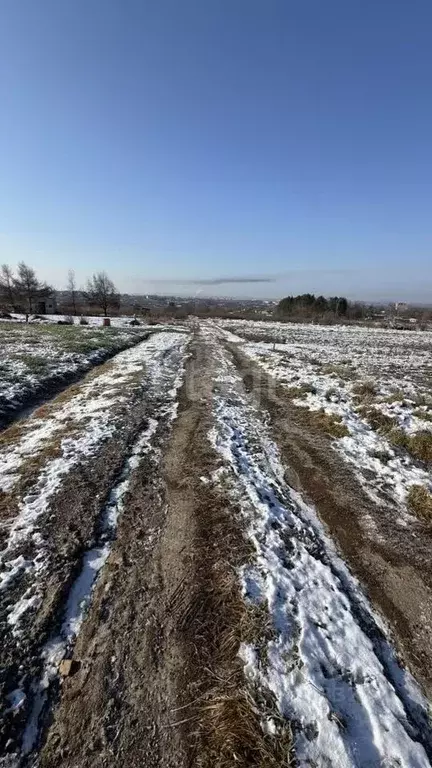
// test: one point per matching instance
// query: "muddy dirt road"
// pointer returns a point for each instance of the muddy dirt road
(168, 598)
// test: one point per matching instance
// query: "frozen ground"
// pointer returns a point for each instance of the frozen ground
(73, 431)
(93, 414)
(33, 356)
(103, 564)
(327, 662)
(377, 383)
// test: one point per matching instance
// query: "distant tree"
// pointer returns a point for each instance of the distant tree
(101, 292)
(7, 289)
(308, 305)
(356, 311)
(27, 286)
(338, 305)
(321, 304)
(71, 287)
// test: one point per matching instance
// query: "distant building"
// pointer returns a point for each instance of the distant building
(401, 306)
(47, 305)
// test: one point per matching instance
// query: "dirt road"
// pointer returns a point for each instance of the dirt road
(178, 603)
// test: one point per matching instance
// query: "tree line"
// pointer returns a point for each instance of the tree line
(309, 305)
(23, 291)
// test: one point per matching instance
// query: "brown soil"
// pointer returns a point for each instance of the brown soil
(393, 563)
(159, 682)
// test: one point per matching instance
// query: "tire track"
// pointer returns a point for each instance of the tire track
(75, 550)
(329, 664)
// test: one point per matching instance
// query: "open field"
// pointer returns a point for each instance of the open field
(372, 390)
(195, 568)
(35, 356)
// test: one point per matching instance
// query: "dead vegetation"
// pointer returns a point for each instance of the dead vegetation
(340, 371)
(425, 415)
(333, 394)
(396, 396)
(300, 392)
(27, 477)
(419, 501)
(378, 420)
(229, 717)
(237, 728)
(330, 424)
(230, 725)
(365, 391)
(420, 445)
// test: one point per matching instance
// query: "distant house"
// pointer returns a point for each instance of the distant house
(47, 305)
(401, 306)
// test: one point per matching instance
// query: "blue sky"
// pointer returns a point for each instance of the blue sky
(173, 141)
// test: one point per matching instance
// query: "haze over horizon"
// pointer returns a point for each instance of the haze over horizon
(228, 148)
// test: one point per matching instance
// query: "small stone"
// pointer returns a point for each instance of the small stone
(68, 667)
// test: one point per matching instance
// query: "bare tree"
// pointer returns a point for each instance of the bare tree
(7, 291)
(71, 287)
(28, 287)
(101, 292)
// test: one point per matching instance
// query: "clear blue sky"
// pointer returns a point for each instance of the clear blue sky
(182, 140)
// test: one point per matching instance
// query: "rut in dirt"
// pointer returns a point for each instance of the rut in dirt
(329, 663)
(73, 540)
(160, 682)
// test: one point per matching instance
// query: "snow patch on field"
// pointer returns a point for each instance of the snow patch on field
(329, 665)
(35, 356)
(385, 473)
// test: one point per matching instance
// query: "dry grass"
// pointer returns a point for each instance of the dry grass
(398, 437)
(331, 424)
(420, 446)
(365, 391)
(377, 419)
(229, 720)
(340, 371)
(332, 393)
(237, 729)
(301, 391)
(420, 502)
(257, 629)
(423, 399)
(12, 434)
(228, 730)
(31, 466)
(425, 415)
(28, 475)
(398, 395)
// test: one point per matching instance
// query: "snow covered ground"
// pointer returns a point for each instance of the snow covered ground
(359, 376)
(327, 662)
(34, 356)
(90, 416)
(75, 428)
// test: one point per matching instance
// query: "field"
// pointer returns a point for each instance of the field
(36, 357)
(372, 389)
(215, 549)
